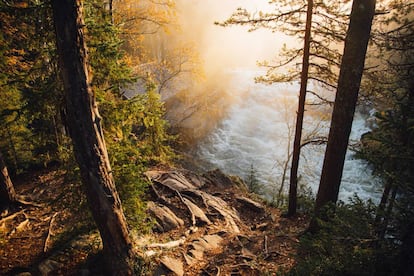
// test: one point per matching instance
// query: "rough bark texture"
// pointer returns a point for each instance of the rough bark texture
(85, 130)
(7, 193)
(301, 111)
(350, 75)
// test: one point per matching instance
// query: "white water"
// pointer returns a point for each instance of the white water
(256, 132)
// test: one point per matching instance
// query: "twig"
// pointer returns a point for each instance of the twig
(49, 232)
(266, 250)
(23, 202)
(168, 245)
(11, 216)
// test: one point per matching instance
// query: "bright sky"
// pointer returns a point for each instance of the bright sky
(231, 46)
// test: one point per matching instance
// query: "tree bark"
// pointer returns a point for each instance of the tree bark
(84, 125)
(293, 187)
(383, 203)
(350, 75)
(7, 192)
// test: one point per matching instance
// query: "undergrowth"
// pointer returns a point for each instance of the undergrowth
(345, 243)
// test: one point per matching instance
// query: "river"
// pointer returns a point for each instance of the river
(258, 128)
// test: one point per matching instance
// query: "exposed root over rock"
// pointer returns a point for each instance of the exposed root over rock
(231, 226)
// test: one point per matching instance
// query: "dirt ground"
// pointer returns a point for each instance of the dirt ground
(53, 235)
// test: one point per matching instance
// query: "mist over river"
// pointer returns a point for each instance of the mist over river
(258, 130)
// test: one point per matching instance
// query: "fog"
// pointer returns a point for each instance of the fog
(256, 126)
(221, 51)
(227, 47)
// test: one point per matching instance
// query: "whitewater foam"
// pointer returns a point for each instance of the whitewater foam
(257, 131)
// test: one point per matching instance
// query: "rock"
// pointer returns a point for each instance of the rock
(197, 180)
(218, 204)
(196, 211)
(190, 260)
(49, 266)
(201, 245)
(250, 204)
(173, 265)
(166, 218)
(219, 179)
(214, 241)
(247, 254)
(174, 180)
(197, 254)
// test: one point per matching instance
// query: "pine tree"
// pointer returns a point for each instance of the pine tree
(352, 67)
(319, 58)
(33, 129)
(389, 146)
(7, 192)
(86, 132)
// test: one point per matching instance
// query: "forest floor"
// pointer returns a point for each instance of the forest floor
(230, 233)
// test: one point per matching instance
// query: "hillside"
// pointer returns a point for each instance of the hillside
(205, 225)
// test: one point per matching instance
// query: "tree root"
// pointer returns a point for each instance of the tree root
(49, 233)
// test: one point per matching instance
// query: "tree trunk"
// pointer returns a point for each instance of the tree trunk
(350, 75)
(87, 137)
(293, 188)
(7, 193)
(384, 199)
(384, 224)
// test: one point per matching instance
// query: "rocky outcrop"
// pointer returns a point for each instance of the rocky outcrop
(166, 219)
(209, 211)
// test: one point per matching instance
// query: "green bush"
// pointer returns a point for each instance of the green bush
(345, 244)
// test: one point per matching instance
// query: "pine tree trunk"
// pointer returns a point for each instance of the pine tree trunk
(384, 224)
(7, 192)
(87, 137)
(293, 188)
(350, 75)
(383, 203)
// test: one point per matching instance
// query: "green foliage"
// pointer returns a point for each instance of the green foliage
(31, 128)
(131, 153)
(155, 138)
(136, 137)
(131, 184)
(32, 111)
(109, 67)
(135, 130)
(345, 244)
(328, 30)
(253, 183)
(306, 199)
(389, 147)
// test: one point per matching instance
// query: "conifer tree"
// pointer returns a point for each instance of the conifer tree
(352, 67)
(32, 129)
(7, 192)
(389, 146)
(320, 59)
(86, 132)
(293, 188)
